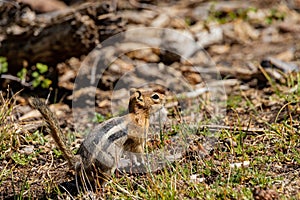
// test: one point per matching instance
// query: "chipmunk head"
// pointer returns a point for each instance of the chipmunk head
(148, 100)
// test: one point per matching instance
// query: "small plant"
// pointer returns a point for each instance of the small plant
(4, 174)
(3, 65)
(233, 101)
(228, 16)
(275, 15)
(22, 74)
(9, 137)
(21, 159)
(58, 153)
(39, 78)
(98, 118)
(36, 137)
(37, 74)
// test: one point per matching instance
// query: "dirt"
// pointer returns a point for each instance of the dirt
(237, 55)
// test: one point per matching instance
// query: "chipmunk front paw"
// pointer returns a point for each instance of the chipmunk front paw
(138, 159)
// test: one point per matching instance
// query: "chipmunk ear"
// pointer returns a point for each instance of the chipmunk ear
(136, 93)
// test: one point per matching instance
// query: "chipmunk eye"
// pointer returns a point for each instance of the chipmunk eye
(155, 96)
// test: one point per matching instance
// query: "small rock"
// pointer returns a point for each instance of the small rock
(179, 42)
(195, 179)
(144, 35)
(45, 6)
(244, 31)
(146, 55)
(208, 37)
(27, 150)
(219, 49)
(257, 16)
(137, 17)
(240, 164)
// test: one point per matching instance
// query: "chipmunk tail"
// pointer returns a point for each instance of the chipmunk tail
(54, 129)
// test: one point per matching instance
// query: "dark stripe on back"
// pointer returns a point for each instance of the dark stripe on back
(100, 131)
(117, 135)
(113, 137)
(93, 138)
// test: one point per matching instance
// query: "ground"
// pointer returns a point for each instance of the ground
(250, 151)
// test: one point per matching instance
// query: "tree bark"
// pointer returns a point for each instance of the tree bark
(53, 37)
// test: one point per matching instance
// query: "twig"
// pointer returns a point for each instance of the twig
(10, 77)
(245, 129)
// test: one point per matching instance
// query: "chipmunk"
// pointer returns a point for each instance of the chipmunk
(101, 150)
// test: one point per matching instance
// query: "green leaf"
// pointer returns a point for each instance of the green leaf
(57, 153)
(3, 68)
(19, 159)
(36, 82)
(2, 59)
(46, 83)
(3, 65)
(42, 68)
(35, 74)
(98, 118)
(22, 74)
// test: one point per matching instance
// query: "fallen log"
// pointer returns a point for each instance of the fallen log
(53, 37)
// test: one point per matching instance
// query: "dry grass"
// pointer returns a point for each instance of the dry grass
(273, 156)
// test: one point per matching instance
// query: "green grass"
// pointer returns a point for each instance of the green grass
(274, 158)
(274, 155)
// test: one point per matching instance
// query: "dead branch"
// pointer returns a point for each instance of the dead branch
(52, 37)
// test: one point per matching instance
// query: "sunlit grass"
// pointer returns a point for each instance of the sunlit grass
(273, 156)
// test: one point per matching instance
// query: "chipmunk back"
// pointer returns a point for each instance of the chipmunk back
(101, 150)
